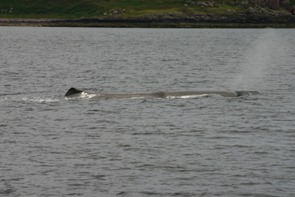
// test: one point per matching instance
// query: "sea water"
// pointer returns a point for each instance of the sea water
(204, 146)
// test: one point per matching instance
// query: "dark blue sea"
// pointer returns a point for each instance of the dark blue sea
(207, 146)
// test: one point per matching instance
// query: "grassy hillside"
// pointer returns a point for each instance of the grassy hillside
(128, 8)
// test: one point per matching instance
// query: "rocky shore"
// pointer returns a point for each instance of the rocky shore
(208, 20)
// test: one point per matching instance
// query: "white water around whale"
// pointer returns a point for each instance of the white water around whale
(204, 146)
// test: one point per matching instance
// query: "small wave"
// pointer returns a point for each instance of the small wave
(40, 99)
(7, 191)
(29, 99)
(83, 95)
(88, 95)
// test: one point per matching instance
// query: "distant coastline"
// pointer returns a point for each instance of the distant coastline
(195, 21)
(152, 13)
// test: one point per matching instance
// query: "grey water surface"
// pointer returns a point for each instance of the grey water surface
(207, 146)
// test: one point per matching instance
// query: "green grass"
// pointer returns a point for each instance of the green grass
(113, 8)
(52, 8)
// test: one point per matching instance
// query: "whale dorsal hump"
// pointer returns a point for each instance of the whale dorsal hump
(73, 91)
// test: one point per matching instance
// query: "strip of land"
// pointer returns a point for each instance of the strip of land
(152, 13)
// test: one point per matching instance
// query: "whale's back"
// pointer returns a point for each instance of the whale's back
(74, 92)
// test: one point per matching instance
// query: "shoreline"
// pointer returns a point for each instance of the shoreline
(196, 21)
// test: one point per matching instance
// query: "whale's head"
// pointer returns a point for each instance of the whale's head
(72, 92)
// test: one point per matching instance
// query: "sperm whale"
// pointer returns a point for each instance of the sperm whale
(74, 92)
